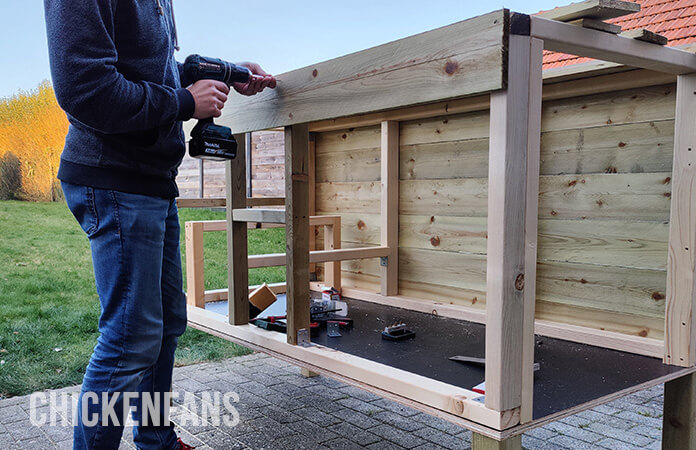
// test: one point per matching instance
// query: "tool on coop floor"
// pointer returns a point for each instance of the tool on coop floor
(480, 361)
(279, 323)
(397, 332)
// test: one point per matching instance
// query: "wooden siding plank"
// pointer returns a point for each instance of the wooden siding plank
(461, 59)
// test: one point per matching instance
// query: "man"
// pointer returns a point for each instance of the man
(114, 73)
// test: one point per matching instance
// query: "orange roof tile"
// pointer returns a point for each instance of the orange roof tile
(674, 19)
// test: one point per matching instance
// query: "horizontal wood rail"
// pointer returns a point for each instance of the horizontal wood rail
(259, 215)
(320, 256)
(222, 202)
(567, 38)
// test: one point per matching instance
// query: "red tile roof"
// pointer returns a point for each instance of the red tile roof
(674, 19)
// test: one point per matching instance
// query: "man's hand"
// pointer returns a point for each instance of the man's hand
(210, 97)
(259, 81)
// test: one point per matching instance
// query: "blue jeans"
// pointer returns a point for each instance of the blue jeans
(137, 268)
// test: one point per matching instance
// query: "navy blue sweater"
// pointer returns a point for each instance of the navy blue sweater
(114, 74)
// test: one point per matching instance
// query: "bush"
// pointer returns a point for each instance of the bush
(10, 177)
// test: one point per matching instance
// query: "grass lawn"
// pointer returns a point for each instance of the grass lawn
(49, 306)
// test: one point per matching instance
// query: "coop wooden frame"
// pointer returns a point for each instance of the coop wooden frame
(502, 56)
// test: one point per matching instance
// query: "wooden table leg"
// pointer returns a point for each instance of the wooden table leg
(679, 417)
(481, 442)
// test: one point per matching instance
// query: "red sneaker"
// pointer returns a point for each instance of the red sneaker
(183, 446)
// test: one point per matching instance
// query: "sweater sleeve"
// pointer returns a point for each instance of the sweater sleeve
(86, 81)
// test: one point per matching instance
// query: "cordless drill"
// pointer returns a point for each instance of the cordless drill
(208, 140)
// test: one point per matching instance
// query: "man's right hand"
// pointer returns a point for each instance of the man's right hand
(210, 97)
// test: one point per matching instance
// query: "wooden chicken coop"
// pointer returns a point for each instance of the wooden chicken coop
(420, 162)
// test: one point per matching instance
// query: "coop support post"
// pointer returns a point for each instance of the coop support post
(237, 253)
(195, 277)
(389, 270)
(680, 317)
(531, 221)
(509, 334)
(297, 228)
(679, 416)
(481, 442)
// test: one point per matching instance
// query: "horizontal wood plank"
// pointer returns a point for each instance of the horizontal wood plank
(461, 59)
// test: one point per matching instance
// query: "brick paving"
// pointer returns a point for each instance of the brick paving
(279, 409)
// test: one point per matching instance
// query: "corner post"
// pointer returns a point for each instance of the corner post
(680, 317)
(237, 251)
(297, 228)
(508, 309)
(389, 274)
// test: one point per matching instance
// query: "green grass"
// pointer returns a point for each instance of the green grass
(49, 306)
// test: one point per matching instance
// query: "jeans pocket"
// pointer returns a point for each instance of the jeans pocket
(80, 200)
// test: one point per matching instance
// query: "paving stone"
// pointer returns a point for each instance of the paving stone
(385, 445)
(322, 391)
(316, 416)
(578, 433)
(23, 430)
(360, 394)
(431, 446)
(642, 419)
(64, 445)
(57, 433)
(361, 406)
(613, 444)
(36, 444)
(404, 439)
(321, 403)
(356, 418)
(396, 407)
(356, 434)
(311, 431)
(571, 443)
(438, 424)
(6, 440)
(189, 385)
(541, 433)
(218, 439)
(646, 430)
(12, 413)
(441, 438)
(280, 415)
(620, 435)
(343, 444)
(398, 421)
(606, 409)
(298, 442)
(270, 427)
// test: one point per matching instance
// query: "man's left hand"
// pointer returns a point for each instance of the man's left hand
(260, 80)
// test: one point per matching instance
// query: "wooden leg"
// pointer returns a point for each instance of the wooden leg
(305, 372)
(680, 304)
(297, 228)
(195, 277)
(481, 442)
(506, 333)
(237, 252)
(679, 417)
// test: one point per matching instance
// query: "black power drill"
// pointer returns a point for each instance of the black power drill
(208, 140)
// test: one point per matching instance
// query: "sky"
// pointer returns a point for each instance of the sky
(279, 35)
